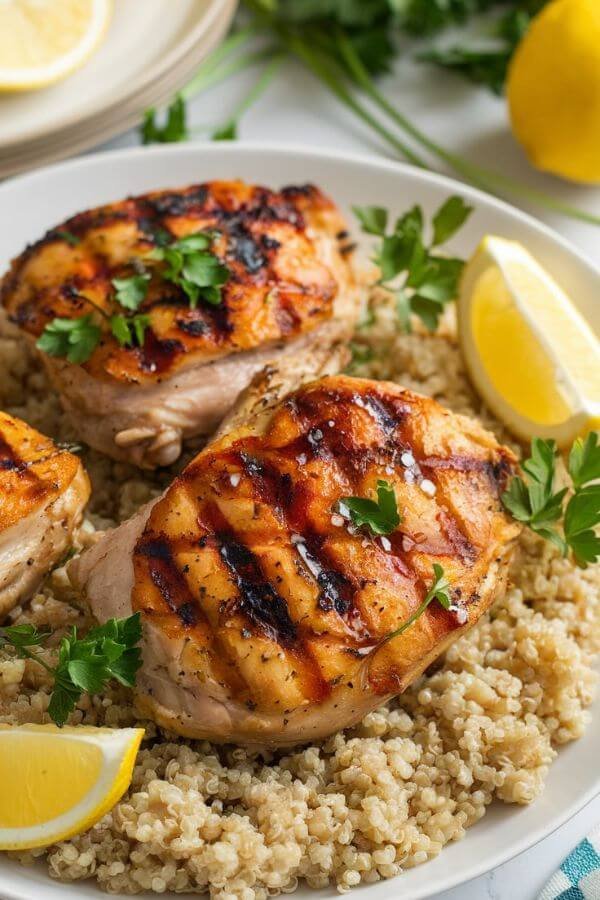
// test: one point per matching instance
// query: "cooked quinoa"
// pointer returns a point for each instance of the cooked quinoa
(482, 725)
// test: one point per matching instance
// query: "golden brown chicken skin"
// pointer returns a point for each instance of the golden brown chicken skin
(290, 288)
(265, 610)
(278, 288)
(43, 490)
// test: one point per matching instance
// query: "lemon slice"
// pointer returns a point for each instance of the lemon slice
(529, 352)
(42, 41)
(57, 782)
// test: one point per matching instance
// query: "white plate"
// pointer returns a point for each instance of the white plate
(143, 53)
(32, 203)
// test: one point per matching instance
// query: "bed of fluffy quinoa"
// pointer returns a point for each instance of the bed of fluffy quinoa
(484, 725)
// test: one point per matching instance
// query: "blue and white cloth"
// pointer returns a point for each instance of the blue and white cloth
(578, 878)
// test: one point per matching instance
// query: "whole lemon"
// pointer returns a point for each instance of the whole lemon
(554, 90)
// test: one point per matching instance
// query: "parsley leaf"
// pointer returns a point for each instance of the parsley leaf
(381, 516)
(74, 339)
(21, 636)
(130, 330)
(373, 219)
(439, 590)
(406, 262)
(84, 665)
(581, 517)
(534, 501)
(449, 218)
(584, 460)
(174, 129)
(67, 236)
(131, 292)
(192, 266)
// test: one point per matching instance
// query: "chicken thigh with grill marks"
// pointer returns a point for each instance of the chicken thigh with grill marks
(265, 611)
(43, 491)
(289, 283)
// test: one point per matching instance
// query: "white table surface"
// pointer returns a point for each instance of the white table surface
(469, 121)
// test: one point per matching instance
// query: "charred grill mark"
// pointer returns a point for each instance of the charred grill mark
(460, 543)
(258, 599)
(336, 591)
(244, 248)
(271, 486)
(177, 203)
(387, 416)
(288, 501)
(9, 459)
(166, 576)
(158, 355)
(195, 327)
(457, 463)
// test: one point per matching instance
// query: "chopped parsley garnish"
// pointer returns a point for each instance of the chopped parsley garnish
(190, 264)
(421, 280)
(131, 292)
(174, 129)
(130, 330)
(381, 516)
(68, 236)
(438, 591)
(534, 501)
(73, 339)
(84, 665)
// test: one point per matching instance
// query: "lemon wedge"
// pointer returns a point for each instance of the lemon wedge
(57, 782)
(43, 41)
(529, 352)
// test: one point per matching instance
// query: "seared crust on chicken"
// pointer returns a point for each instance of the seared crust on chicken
(265, 612)
(43, 491)
(290, 278)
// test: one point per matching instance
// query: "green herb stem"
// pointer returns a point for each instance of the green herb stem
(205, 76)
(492, 182)
(256, 91)
(205, 80)
(322, 69)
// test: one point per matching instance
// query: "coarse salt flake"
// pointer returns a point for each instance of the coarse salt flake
(428, 487)
(235, 479)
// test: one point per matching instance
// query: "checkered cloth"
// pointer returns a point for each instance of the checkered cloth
(579, 875)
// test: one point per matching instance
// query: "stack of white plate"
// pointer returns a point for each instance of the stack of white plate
(152, 49)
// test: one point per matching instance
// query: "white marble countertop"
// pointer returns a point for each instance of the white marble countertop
(471, 122)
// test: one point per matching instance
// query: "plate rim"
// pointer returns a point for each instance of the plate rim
(299, 149)
(388, 888)
(150, 77)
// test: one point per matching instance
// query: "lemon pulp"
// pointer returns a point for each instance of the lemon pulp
(57, 782)
(63, 772)
(43, 41)
(528, 350)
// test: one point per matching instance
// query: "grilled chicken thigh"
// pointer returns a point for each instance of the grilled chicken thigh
(43, 491)
(265, 611)
(290, 282)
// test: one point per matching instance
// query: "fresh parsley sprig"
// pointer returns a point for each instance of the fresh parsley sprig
(534, 501)
(84, 665)
(175, 127)
(380, 516)
(76, 339)
(190, 264)
(439, 590)
(72, 339)
(421, 280)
